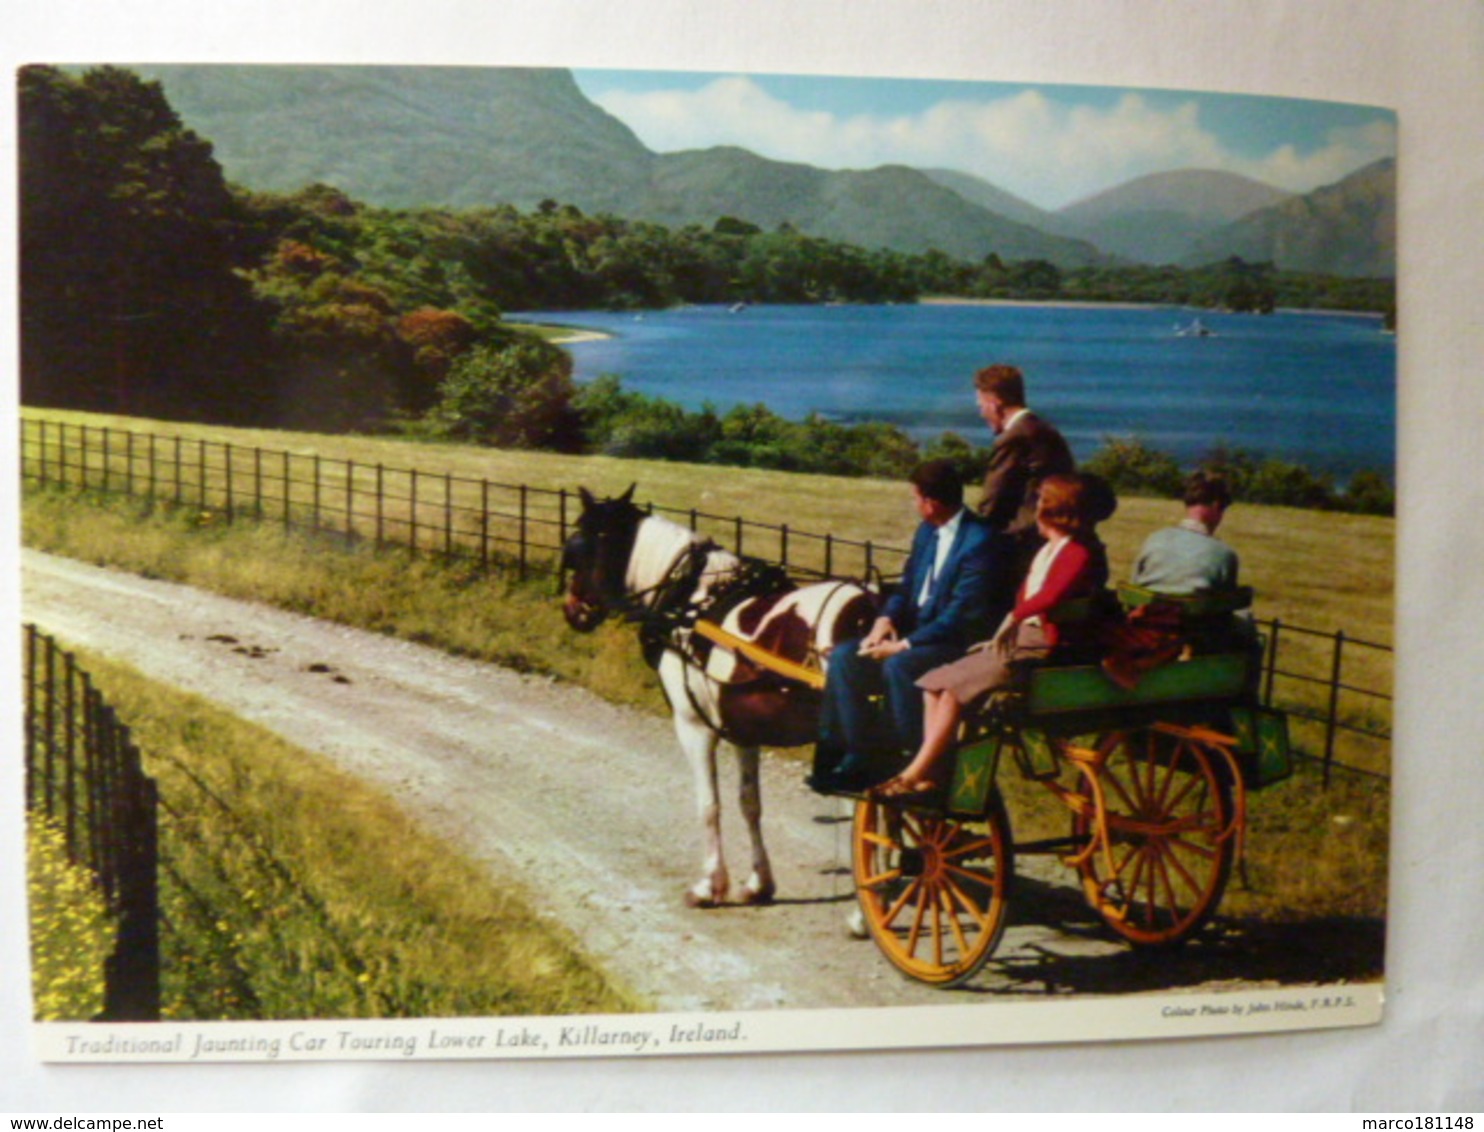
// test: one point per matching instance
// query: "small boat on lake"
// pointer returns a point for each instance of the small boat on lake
(1195, 329)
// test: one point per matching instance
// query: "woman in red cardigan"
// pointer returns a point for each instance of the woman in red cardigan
(1072, 564)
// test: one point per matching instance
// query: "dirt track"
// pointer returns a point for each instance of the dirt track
(590, 805)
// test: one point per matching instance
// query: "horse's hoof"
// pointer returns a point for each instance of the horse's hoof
(761, 896)
(694, 899)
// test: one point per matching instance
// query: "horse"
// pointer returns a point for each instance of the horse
(665, 577)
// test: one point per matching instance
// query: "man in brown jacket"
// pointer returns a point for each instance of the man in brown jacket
(1027, 449)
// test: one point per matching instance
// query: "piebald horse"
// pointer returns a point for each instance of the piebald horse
(664, 577)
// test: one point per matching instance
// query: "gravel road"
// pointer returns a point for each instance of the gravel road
(586, 803)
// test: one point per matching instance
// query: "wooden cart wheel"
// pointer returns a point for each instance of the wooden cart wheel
(1158, 870)
(933, 889)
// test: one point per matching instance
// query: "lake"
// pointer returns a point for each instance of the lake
(1318, 389)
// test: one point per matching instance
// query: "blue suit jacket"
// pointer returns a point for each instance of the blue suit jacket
(970, 595)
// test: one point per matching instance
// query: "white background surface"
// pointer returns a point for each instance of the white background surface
(1425, 58)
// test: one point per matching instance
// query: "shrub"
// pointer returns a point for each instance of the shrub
(969, 462)
(516, 396)
(1289, 485)
(1131, 466)
(1369, 493)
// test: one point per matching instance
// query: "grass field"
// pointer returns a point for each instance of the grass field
(1324, 570)
(1314, 852)
(1314, 570)
(292, 890)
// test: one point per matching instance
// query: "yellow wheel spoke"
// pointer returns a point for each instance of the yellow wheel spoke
(881, 878)
(979, 880)
(971, 847)
(1191, 782)
(1171, 902)
(901, 902)
(1204, 851)
(916, 932)
(937, 928)
(968, 905)
(958, 932)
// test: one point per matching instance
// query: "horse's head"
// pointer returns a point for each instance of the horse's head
(597, 558)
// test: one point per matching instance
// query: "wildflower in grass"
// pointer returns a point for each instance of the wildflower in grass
(72, 932)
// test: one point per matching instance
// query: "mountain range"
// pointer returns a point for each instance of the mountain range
(459, 137)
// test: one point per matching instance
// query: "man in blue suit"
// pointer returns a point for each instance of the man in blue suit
(956, 587)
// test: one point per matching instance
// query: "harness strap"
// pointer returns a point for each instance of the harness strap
(759, 655)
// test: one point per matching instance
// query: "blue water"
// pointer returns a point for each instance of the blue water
(1313, 388)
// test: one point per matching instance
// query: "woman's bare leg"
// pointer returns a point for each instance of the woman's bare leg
(941, 715)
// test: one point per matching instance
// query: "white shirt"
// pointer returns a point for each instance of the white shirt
(945, 536)
(1041, 567)
(1015, 416)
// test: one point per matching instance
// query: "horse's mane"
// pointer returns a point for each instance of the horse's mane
(659, 545)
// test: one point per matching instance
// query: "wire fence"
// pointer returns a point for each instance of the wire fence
(1332, 685)
(84, 775)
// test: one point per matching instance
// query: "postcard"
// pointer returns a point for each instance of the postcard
(555, 562)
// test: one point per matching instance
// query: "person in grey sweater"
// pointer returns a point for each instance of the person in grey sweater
(1188, 558)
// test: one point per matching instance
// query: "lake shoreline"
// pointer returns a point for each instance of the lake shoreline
(568, 336)
(1088, 304)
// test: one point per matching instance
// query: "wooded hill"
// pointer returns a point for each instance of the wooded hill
(463, 137)
(150, 286)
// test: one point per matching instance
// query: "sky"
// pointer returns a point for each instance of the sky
(1050, 145)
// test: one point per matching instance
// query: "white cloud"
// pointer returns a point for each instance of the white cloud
(1046, 151)
(1346, 150)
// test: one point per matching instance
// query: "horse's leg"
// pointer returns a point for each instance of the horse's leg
(698, 741)
(760, 887)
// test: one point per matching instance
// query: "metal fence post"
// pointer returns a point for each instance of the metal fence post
(31, 687)
(69, 793)
(484, 524)
(380, 504)
(1332, 716)
(522, 571)
(448, 514)
(1272, 662)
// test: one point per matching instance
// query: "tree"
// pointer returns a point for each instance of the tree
(129, 243)
(437, 338)
(1131, 466)
(518, 395)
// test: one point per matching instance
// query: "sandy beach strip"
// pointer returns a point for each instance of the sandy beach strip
(559, 335)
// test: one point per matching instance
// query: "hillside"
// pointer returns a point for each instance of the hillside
(892, 206)
(464, 137)
(1160, 218)
(458, 137)
(977, 190)
(1348, 228)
